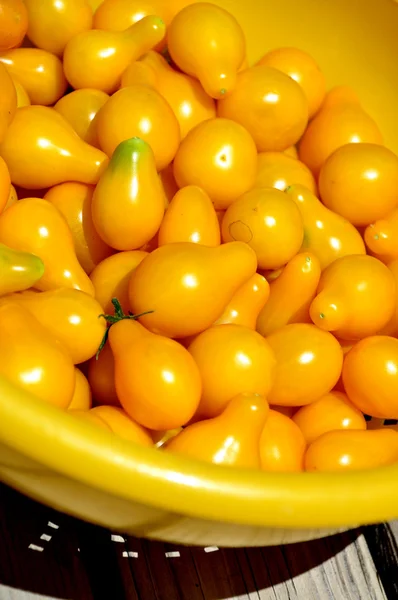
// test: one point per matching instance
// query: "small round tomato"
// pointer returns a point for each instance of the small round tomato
(303, 69)
(82, 398)
(219, 156)
(352, 450)
(271, 106)
(381, 237)
(370, 376)
(14, 23)
(278, 170)
(269, 222)
(282, 445)
(353, 176)
(308, 364)
(330, 412)
(140, 111)
(230, 439)
(232, 359)
(356, 297)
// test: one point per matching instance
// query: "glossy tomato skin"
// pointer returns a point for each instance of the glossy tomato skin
(246, 303)
(219, 45)
(32, 358)
(101, 377)
(80, 108)
(381, 237)
(352, 450)
(219, 156)
(82, 397)
(19, 270)
(231, 359)
(8, 101)
(282, 444)
(279, 170)
(370, 376)
(270, 105)
(176, 281)
(269, 222)
(122, 425)
(14, 23)
(356, 297)
(308, 364)
(230, 439)
(353, 176)
(117, 15)
(330, 412)
(157, 380)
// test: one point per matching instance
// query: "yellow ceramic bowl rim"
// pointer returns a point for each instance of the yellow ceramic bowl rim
(180, 485)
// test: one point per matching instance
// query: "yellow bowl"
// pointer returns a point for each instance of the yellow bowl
(90, 473)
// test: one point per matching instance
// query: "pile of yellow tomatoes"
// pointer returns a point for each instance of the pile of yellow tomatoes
(204, 251)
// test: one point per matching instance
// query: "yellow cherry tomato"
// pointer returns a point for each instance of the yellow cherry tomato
(381, 237)
(8, 100)
(81, 399)
(35, 225)
(269, 222)
(19, 270)
(32, 359)
(329, 413)
(22, 95)
(352, 450)
(73, 200)
(80, 108)
(101, 377)
(14, 23)
(117, 15)
(176, 281)
(278, 170)
(190, 217)
(308, 364)
(271, 106)
(231, 359)
(246, 303)
(5, 184)
(231, 439)
(282, 445)
(40, 73)
(122, 425)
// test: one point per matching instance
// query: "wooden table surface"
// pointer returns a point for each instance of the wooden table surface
(46, 555)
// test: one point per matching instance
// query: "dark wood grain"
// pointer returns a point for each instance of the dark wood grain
(82, 562)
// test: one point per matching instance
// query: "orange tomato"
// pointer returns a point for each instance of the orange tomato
(176, 281)
(278, 170)
(81, 399)
(5, 185)
(356, 297)
(269, 222)
(12, 197)
(41, 150)
(308, 364)
(381, 237)
(34, 225)
(333, 127)
(19, 270)
(370, 376)
(392, 326)
(189, 102)
(219, 156)
(80, 108)
(122, 425)
(118, 15)
(128, 202)
(111, 278)
(139, 111)
(290, 294)
(190, 217)
(328, 235)
(72, 318)
(271, 106)
(341, 95)
(288, 411)
(352, 450)
(22, 95)
(8, 101)
(282, 444)
(73, 200)
(218, 42)
(246, 303)
(32, 359)
(96, 58)
(329, 413)
(232, 359)
(40, 73)
(14, 23)
(230, 439)
(51, 24)
(101, 377)
(353, 176)
(303, 69)
(157, 381)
